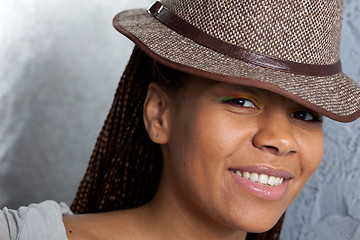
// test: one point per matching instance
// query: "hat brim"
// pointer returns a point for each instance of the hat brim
(336, 96)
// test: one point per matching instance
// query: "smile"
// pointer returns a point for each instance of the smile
(260, 178)
(261, 181)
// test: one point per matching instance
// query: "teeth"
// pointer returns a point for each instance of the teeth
(246, 175)
(263, 178)
(278, 181)
(254, 177)
(271, 180)
(260, 178)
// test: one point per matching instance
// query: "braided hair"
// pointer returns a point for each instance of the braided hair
(125, 165)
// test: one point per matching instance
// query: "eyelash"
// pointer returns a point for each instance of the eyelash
(239, 101)
(300, 114)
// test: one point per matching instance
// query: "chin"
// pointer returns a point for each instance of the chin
(259, 224)
(260, 228)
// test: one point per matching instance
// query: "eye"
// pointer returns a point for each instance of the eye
(242, 102)
(306, 116)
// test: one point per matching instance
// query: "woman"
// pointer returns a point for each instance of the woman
(219, 121)
(216, 124)
(206, 138)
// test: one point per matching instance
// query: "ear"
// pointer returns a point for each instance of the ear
(156, 114)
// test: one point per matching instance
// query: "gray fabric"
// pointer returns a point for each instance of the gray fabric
(36, 222)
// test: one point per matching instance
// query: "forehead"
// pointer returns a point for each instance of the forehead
(201, 86)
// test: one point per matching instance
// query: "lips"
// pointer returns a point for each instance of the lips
(263, 182)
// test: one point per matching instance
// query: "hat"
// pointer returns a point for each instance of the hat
(288, 47)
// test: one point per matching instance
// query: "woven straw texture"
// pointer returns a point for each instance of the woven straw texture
(336, 96)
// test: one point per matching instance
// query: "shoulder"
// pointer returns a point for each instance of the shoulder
(83, 226)
(37, 221)
(108, 225)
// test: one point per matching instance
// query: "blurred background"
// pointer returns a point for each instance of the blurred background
(60, 63)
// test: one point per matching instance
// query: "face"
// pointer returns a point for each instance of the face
(238, 156)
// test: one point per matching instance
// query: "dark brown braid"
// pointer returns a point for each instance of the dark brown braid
(125, 166)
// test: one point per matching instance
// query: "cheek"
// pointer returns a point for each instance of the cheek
(202, 134)
(201, 144)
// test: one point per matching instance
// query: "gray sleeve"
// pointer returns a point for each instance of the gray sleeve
(36, 222)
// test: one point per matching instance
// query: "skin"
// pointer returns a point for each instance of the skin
(206, 130)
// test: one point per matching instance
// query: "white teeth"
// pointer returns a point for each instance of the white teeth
(263, 178)
(254, 177)
(271, 180)
(277, 181)
(260, 178)
(238, 173)
(246, 175)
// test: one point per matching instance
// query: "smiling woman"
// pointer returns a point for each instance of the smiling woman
(216, 125)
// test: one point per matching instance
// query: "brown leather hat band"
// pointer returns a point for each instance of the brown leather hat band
(160, 12)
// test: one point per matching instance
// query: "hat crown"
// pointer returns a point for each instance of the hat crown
(305, 31)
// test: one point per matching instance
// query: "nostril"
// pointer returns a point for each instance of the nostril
(275, 140)
(271, 148)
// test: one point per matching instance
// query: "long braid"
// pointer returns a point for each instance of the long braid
(125, 166)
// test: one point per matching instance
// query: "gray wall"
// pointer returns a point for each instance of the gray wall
(60, 62)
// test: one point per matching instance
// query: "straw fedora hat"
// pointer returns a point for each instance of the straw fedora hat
(288, 47)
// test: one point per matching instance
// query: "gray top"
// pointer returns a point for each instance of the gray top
(36, 222)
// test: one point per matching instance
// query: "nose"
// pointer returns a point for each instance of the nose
(275, 134)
